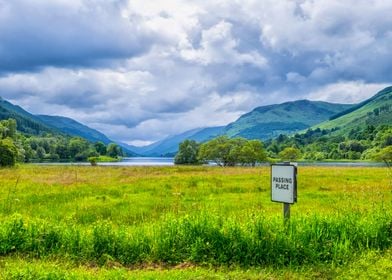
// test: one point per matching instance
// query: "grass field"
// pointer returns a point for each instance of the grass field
(87, 222)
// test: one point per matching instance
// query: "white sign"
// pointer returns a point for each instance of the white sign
(283, 183)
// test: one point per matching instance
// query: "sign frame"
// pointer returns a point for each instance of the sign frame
(294, 182)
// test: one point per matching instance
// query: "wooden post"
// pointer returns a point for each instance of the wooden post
(286, 212)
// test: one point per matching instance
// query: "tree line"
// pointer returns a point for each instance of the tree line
(17, 147)
(361, 143)
(224, 151)
(368, 143)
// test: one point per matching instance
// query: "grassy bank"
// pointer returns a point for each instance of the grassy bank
(198, 216)
(370, 265)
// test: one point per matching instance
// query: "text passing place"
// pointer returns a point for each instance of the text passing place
(283, 183)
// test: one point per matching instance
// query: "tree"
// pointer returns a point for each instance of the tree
(62, 150)
(29, 154)
(78, 147)
(273, 148)
(114, 150)
(385, 155)
(229, 152)
(100, 148)
(217, 150)
(8, 152)
(8, 129)
(290, 153)
(82, 156)
(187, 153)
(41, 153)
(252, 152)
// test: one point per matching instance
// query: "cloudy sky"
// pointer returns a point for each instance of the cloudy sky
(141, 70)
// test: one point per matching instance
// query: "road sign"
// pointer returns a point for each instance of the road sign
(284, 183)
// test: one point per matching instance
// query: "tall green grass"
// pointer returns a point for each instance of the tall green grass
(204, 239)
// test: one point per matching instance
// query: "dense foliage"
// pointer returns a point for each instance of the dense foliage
(27, 123)
(8, 149)
(187, 153)
(18, 147)
(320, 144)
(224, 151)
(8, 152)
(385, 155)
(290, 153)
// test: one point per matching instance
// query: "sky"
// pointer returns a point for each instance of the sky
(140, 71)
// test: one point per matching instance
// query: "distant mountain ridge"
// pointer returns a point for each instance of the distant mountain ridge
(26, 122)
(263, 123)
(39, 124)
(266, 122)
(74, 128)
(169, 145)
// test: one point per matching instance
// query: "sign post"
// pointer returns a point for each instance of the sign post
(284, 186)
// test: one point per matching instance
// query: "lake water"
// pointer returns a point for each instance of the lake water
(141, 161)
(159, 161)
(133, 161)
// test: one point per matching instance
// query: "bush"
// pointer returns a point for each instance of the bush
(8, 152)
(93, 161)
(290, 153)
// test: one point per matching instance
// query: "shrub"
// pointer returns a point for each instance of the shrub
(8, 152)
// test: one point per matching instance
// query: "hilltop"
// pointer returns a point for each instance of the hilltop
(359, 132)
(74, 128)
(269, 121)
(27, 122)
(374, 111)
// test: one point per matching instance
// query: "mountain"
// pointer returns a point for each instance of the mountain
(207, 133)
(38, 124)
(169, 145)
(359, 132)
(374, 111)
(262, 123)
(74, 128)
(26, 122)
(266, 122)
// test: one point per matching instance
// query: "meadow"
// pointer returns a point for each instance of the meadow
(74, 222)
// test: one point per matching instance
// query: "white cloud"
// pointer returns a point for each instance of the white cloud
(346, 92)
(219, 46)
(142, 70)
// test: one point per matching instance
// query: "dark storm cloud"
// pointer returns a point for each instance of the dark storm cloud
(34, 34)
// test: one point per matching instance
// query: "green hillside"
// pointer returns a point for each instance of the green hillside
(26, 122)
(270, 121)
(264, 122)
(361, 132)
(25, 137)
(207, 133)
(74, 128)
(374, 111)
